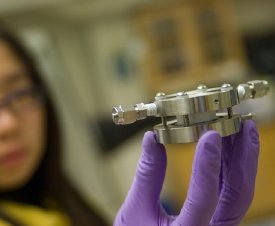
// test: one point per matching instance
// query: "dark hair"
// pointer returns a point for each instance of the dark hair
(49, 180)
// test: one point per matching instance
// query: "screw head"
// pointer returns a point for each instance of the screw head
(226, 85)
(181, 94)
(201, 87)
(159, 96)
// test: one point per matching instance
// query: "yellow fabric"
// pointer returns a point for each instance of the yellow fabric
(33, 216)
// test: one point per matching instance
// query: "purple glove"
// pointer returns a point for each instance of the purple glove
(221, 187)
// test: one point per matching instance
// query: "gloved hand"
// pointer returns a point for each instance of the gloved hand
(221, 187)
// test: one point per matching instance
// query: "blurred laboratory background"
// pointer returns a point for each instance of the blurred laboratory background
(96, 54)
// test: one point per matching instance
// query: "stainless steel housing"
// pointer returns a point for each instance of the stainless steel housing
(187, 115)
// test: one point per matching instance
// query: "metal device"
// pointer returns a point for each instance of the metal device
(185, 116)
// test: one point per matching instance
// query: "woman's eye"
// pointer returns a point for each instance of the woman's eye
(24, 98)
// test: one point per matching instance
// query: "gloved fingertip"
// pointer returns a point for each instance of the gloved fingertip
(248, 124)
(149, 135)
(211, 138)
(203, 192)
(153, 153)
(208, 152)
(250, 130)
(150, 172)
(150, 141)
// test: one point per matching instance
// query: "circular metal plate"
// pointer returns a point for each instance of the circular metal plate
(197, 102)
(171, 133)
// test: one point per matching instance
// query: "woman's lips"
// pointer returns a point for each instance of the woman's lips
(12, 158)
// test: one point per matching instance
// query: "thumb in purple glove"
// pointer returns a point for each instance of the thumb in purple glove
(142, 207)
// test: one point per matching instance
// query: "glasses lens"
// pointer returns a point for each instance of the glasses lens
(24, 99)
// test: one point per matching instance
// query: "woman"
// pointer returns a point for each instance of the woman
(32, 183)
(220, 192)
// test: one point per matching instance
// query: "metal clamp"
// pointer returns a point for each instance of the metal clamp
(187, 115)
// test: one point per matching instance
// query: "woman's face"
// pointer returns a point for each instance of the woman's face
(22, 122)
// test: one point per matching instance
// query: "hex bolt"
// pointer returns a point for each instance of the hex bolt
(124, 115)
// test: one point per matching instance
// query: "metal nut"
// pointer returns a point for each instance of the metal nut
(124, 115)
(259, 88)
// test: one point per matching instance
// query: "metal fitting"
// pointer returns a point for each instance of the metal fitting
(123, 115)
(253, 89)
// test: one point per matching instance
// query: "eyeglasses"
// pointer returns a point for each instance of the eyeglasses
(22, 100)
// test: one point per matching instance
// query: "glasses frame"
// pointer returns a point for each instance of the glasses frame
(8, 101)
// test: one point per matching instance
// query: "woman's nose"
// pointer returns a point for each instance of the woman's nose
(8, 124)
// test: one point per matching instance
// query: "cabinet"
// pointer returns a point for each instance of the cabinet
(188, 43)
